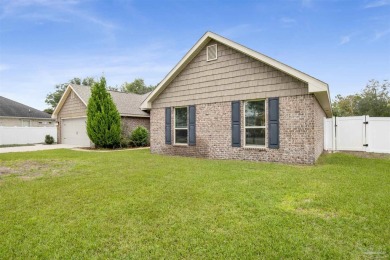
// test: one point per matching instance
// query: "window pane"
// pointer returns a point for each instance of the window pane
(181, 117)
(255, 136)
(254, 113)
(181, 136)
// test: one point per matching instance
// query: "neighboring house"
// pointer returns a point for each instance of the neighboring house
(13, 113)
(71, 114)
(226, 101)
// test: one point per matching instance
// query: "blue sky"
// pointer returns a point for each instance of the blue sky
(46, 42)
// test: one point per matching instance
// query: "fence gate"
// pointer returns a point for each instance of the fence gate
(357, 133)
(351, 133)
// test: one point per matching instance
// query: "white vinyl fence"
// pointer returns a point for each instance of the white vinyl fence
(25, 135)
(357, 133)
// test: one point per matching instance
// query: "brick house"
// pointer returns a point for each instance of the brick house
(71, 114)
(226, 101)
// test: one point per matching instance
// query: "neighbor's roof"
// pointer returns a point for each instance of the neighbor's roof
(318, 88)
(128, 104)
(10, 108)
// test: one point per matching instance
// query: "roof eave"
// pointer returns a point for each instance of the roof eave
(315, 86)
(67, 91)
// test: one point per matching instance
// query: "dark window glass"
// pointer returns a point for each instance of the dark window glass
(255, 136)
(181, 136)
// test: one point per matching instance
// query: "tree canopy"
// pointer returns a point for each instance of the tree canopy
(138, 86)
(103, 118)
(54, 97)
(374, 100)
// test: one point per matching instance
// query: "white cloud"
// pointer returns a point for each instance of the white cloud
(380, 34)
(306, 3)
(379, 3)
(287, 22)
(53, 11)
(345, 39)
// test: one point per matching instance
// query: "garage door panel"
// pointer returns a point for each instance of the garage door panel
(74, 131)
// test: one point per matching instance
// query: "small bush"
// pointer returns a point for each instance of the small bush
(49, 139)
(139, 137)
(125, 141)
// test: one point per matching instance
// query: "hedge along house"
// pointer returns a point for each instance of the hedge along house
(71, 114)
(225, 101)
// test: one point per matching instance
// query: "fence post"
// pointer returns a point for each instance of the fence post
(334, 135)
(367, 133)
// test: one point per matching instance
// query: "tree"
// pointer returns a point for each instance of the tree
(53, 98)
(346, 106)
(374, 100)
(137, 86)
(103, 119)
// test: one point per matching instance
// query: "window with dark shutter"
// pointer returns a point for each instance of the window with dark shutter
(273, 123)
(168, 126)
(236, 124)
(192, 125)
(254, 127)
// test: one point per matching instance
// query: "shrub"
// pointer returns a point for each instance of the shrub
(125, 141)
(49, 139)
(103, 119)
(139, 137)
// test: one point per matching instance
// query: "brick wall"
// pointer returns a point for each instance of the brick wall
(130, 123)
(319, 115)
(299, 131)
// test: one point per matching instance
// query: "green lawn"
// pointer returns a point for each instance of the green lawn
(131, 204)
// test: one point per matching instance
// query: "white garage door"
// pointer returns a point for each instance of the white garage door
(74, 131)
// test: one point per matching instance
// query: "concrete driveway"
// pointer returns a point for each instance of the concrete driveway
(37, 147)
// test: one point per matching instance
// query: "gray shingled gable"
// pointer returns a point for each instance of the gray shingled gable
(128, 104)
(10, 108)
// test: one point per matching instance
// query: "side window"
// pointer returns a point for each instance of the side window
(255, 123)
(181, 125)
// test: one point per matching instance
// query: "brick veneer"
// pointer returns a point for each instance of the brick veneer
(130, 123)
(301, 138)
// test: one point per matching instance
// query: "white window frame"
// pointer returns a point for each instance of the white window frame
(216, 52)
(179, 128)
(256, 127)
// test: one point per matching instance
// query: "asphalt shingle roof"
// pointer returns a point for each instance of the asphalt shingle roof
(10, 108)
(128, 104)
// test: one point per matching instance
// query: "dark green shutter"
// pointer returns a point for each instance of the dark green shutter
(168, 139)
(192, 125)
(236, 124)
(273, 123)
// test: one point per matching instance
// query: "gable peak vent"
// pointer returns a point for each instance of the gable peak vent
(212, 52)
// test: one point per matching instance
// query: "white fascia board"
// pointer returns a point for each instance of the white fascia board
(67, 91)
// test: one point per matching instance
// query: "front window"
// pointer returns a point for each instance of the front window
(181, 127)
(255, 123)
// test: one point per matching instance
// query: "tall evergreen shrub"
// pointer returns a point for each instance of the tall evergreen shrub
(103, 119)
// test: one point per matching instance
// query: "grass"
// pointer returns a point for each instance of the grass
(131, 204)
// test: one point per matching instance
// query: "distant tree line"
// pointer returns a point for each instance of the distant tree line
(138, 86)
(374, 100)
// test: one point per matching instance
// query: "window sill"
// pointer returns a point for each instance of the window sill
(255, 148)
(180, 145)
